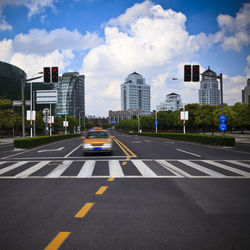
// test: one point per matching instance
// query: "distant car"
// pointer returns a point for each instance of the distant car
(97, 140)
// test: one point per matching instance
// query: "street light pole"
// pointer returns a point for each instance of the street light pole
(80, 120)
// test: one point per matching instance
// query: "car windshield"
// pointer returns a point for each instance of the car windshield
(99, 134)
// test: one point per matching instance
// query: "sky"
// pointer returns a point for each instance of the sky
(106, 40)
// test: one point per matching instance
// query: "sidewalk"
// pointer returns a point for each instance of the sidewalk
(4, 141)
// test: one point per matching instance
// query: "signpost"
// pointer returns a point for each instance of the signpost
(223, 125)
(184, 117)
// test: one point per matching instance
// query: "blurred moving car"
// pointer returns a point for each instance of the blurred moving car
(97, 140)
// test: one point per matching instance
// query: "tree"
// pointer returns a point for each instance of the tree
(147, 122)
(243, 115)
(191, 108)
(229, 113)
(204, 117)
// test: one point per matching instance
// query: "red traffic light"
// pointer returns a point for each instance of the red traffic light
(54, 74)
(46, 74)
(196, 73)
(187, 73)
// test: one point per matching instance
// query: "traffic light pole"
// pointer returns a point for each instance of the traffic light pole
(23, 81)
(220, 77)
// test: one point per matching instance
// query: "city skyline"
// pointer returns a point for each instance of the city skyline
(107, 40)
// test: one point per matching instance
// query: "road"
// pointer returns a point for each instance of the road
(152, 193)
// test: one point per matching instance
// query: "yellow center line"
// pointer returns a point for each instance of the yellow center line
(117, 142)
(124, 163)
(84, 210)
(111, 179)
(132, 154)
(57, 241)
(101, 190)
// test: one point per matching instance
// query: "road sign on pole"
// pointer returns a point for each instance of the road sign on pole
(222, 118)
(223, 126)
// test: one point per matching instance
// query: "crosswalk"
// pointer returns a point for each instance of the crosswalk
(134, 168)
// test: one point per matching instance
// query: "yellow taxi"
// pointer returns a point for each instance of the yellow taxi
(97, 140)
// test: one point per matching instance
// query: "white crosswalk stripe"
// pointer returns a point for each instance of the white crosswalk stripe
(32, 170)
(202, 169)
(87, 169)
(143, 168)
(173, 169)
(115, 169)
(59, 170)
(234, 170)
(11, 167)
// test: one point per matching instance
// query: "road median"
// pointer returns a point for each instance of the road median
(30, 142)
(205, 139)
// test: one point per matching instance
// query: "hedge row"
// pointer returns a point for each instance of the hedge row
(29, 142)
(205, 139)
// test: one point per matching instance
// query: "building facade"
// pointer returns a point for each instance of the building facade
(209, 92)
(71, 94)
(10, 81)
(246, 93)
(116, 116)
(135, 94)
(172, 102)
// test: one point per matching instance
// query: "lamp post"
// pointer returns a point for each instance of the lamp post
(75, 115)
(80, 120)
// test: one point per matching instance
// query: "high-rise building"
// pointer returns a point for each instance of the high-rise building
(71, 94)
(209, 92)
(172, 102)
(246, 93)
(135, 94)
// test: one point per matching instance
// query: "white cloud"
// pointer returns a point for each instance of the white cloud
(35, 7)
(39, 41)
(5, 49)
(34, 63)
(236, 31)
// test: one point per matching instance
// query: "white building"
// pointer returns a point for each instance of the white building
(172, 102)
(209, 92)
(135, 94)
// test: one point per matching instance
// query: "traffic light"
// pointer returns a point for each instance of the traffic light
(196, 73)
(187, 73)
(46, 74)
(54, 74)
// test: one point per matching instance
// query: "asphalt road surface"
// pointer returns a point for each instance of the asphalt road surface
(152, 193)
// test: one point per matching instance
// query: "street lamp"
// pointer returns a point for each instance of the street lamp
(80, 120)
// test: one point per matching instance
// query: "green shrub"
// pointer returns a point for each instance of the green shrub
(38, 140)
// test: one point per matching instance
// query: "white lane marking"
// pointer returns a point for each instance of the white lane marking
(2, 162)
(32, 170)
(136, 142)
(143, 168)
(234, 170)
(201, 168)
(25, 151)
(59, 169)
(73, 151)
(87, 169)
(239, 163)
(11, 167)
(173, 169)
(188, 152)
(147, 141)
(115, 169)
(48, 150)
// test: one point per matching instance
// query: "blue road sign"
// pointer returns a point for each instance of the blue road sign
(222, 118)
(223, 126)
(156, 123)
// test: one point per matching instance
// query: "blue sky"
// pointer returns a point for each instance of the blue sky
(107, 40)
